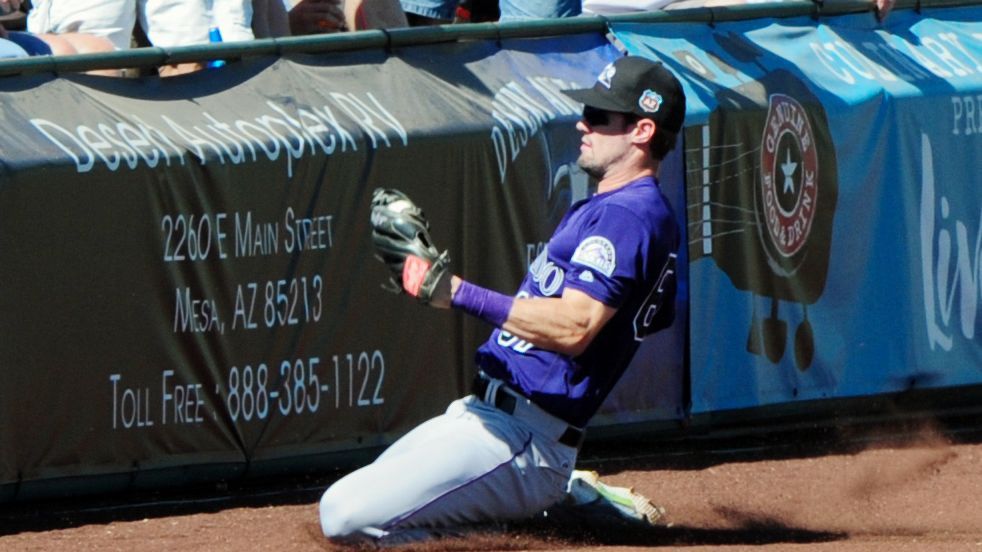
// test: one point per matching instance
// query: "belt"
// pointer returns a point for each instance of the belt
(506, 399)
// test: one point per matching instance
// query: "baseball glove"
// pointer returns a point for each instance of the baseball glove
(401, 235)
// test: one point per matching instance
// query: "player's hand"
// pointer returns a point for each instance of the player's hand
(317, 16)
(442, 295)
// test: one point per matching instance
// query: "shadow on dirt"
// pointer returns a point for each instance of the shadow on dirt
(546, 534)
(751, 530)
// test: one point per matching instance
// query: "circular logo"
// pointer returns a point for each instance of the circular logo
(650, 101)
(789, 175)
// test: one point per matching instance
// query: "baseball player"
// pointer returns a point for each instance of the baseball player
(605, 280)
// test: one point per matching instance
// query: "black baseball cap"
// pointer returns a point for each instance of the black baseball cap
(633, 84)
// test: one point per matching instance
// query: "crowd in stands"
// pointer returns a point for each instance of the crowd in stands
(64, 27)
(14, 43)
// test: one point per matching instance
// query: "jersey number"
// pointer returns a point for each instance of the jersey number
(658, 309)
(510, 341)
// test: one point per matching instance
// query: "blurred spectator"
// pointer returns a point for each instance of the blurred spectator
(513, 10)
(8, 7)
(166, 23)
(8, 48)
(429, 12)
(477, 11)
(269, 19)
(44, 45)
(305, 17)
(373, 14)
(11, 15)
(612, 7)
(317, 16)
(233, 18)
(439, 12)
(22, 44)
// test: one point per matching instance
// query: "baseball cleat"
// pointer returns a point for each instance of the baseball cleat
(585, 487)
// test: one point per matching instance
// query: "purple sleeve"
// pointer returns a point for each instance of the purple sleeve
(610, 257)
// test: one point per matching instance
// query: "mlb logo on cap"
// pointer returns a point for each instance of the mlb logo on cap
(650, 101)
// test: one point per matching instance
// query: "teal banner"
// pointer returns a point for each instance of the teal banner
(833, 202)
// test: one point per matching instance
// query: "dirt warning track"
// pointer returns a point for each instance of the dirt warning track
(919, 490)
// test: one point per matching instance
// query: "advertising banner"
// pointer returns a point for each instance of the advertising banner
(833, 202)
(186, 271)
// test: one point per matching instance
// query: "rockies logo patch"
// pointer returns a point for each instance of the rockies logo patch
(607, 75)
(597, 253)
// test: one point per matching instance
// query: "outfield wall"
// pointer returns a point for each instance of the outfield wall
(834, 203)
(186, 271)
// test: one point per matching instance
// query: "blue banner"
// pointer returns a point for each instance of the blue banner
(833, 202)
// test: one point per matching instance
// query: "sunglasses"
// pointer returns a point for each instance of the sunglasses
(595, 117)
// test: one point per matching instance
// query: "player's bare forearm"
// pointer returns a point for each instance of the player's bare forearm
(564, 324)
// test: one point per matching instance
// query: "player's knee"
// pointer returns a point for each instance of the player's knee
(337, 516)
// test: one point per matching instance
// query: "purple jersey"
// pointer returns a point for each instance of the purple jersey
(618, 247)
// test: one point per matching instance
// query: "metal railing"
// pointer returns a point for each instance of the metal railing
(403, 37)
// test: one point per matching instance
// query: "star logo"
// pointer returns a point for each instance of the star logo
(788, 168)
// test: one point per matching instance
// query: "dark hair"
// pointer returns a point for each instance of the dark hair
(661, 143)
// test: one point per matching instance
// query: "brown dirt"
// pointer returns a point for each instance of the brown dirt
(923, 492)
